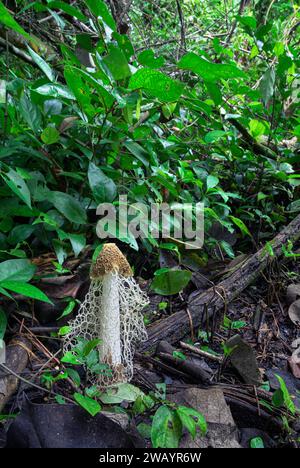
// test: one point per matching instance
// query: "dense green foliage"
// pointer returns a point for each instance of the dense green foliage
(214, 123)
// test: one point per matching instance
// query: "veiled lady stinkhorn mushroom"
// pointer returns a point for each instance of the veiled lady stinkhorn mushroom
(111, 312)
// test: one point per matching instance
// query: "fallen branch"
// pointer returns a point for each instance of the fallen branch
(201, 353)
(203, 305)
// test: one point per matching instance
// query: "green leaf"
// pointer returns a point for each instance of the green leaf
(92, 344)
(69, 357)
(137, 151)
(267, 84)
(279, 49)
(214, 135)
(240, 224)
(147, 59)
(119, 393)
(106, 98)
(257, 128)
(90, 405)
(68, 206)
(257, 442)
(9, 22)
(68, 309)
(70, 10)
(20, 233)
(144, 430)
(50, 135)
(191, 419)
(282, 396)
(100, 10)
(157, 84)
(16, 270)
(103, 188)
(17, 184)
(30, 113)
(166, 429)
(26, 290)
(64, 331)
(170, 282)
(248, 21)
(117, 63)
(3, 323)
(80, 90)
(211, 182)
(207, 70)
(42, 64)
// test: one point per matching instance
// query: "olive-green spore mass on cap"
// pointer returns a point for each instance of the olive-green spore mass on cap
(110, 260)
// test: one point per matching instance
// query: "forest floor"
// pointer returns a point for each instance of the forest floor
(248, 345)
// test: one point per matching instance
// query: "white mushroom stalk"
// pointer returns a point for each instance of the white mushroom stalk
(111, 312)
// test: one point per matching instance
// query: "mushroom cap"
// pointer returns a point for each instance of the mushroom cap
(109, 260)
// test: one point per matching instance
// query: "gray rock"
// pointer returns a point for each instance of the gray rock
(222, 431)
(119, 418)
(242, 358)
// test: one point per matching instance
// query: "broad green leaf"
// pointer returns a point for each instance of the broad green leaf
(267, 85)
(215, 92)
(16, 270)
(80, 90)
(103, 188)
(20, 233)
(105, 97)
(17, 184)
(157, 84)
(166, 429)
(69, 357)
(279, 49)
(211, 182)
(117, 63)
(248, 21)
(55, 91)
(170, 282)
(30, 113)
(10, 22)
(68, 206)
(3, 323)
(73, 374)
(26, 290)
(119, 393)
(100, 10)
(42, 64)
(148, 59)
(257, 128)
(191, 419)
(90, 405)
(214, 135)
(207, 70)
(69, 9)
(50, 135)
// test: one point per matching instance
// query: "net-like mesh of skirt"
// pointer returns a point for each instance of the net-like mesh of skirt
(89, 324)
